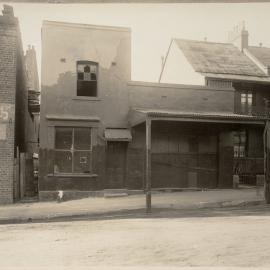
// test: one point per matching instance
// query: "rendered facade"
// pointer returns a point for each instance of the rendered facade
(100, 130)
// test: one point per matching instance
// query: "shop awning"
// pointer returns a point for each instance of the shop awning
(118, 134)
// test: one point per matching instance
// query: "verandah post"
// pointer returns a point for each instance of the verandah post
(148, 165)
(266, 141)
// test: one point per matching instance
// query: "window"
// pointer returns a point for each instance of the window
(72, 150)
(246, 102)
(87, 78)
(240, 144)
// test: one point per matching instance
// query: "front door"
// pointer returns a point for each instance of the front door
(116, 165)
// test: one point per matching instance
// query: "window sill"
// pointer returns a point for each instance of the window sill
(86, 98)
(68, 175)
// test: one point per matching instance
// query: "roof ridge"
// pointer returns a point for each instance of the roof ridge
(202, 41)
(85, 25)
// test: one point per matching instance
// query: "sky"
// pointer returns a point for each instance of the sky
(153, 25)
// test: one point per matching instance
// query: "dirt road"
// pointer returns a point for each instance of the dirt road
(221, 237)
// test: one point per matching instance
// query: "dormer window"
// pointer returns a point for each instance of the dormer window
(87, 78)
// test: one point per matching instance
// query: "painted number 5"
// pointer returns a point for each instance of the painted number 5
(3, 113)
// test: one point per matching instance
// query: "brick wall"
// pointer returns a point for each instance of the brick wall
(14, 115)
(8, 44)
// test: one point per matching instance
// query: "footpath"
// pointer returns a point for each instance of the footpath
(101, 207)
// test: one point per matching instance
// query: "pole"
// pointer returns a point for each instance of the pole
(148, 165)
(266, 163)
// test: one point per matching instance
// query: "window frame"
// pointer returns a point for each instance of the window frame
(87, 62)
(241, 144)
(73, 151)
(246, 101)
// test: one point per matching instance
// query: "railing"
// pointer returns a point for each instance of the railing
(260, 111)
(248, 168)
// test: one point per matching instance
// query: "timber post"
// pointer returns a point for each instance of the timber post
(266, 141)
(148, 165)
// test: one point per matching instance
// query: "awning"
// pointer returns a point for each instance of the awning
(138, 116)
(118, 134)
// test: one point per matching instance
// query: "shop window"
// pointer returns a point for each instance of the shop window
(240, 144)
(72, 150)
(87, 78)
(246, 102)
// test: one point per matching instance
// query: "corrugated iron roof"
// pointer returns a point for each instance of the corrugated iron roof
(237, 77)
(117, 134)
(261, 53)
(198, 115)
(219, 58)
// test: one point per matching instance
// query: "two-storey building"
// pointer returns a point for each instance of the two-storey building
(99, 130)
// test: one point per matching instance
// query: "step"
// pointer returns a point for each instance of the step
(116, 190)
(115, 195)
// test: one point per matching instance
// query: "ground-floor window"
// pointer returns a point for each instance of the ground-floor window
(73, 151)
(240, 143)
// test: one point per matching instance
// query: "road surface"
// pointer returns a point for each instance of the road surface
(213, 237)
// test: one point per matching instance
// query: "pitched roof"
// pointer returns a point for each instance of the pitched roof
(261, 53)
(218, 58)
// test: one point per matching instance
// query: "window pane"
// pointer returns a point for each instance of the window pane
(236, 138)
(82, 138)
(80, 68)
(243, 137)
(80, 75)
(87, 76)
(236, 151)
(243, 98)
(87, 88)
(82, 161)
(86, 69)
(63, 138)
(241, 151)
(93, 77)
(63, 162)
(93, 69)
(249, 99)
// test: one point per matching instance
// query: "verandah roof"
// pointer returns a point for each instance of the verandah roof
(138, 116)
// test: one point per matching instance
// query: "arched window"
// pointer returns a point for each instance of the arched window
(87, 78)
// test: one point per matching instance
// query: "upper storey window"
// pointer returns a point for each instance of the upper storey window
(87, 73)
(246, 102)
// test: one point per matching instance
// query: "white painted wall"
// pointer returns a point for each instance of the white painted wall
(178, 70)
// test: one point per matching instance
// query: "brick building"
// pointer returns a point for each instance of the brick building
(15, 116)
(99, 130)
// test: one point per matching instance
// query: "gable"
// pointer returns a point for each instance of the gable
(178, 70)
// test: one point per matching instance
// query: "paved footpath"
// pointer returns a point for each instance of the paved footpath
(48, 211)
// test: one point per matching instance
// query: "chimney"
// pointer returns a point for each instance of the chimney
(8, 11)
(239, 36)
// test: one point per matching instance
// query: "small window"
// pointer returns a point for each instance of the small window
(72, 150)
(87, 78)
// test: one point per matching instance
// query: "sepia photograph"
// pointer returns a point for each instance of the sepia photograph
(134, 135)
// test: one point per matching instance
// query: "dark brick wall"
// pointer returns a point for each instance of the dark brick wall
(8, 52)
(13, 100)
